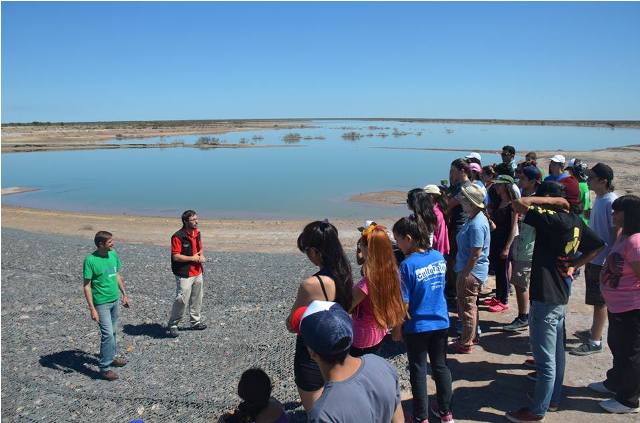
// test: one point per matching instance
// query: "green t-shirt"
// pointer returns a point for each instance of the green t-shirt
(523, 244)
(585, 200)
(103, 272)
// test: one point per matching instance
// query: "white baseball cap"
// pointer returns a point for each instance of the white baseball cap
(473, 155)
(432, 189)
(558, 158)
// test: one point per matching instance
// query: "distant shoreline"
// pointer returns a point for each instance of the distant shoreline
(47, 136)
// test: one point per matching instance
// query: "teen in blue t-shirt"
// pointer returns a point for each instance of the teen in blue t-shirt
(422, 274)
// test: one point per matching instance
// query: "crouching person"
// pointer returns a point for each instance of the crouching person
(363, 389)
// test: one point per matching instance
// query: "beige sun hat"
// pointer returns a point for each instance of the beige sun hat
(474, 194)
(432, 189)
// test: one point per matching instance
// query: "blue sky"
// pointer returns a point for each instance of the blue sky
(138, 61)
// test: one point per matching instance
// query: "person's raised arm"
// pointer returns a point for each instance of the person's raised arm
(521, 205)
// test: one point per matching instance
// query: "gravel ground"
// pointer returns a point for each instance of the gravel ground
(49, 343)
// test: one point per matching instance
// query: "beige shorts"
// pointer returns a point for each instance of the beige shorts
(521, 274)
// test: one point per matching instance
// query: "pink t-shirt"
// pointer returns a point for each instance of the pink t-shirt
(441, 235)
(617, 270)
(366, 331)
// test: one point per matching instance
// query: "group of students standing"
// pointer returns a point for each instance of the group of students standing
(507, 219)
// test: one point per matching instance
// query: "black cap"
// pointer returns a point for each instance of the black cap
(603, 171)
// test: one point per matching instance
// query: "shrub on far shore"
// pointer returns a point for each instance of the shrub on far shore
(208, 141)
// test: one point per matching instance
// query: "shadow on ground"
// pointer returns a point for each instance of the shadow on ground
(153, 330)
(72, 361)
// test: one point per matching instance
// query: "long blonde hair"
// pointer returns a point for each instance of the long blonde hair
(382, 273)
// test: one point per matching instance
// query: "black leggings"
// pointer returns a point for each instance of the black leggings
(624, 341)
(501, 267)
(433, 343)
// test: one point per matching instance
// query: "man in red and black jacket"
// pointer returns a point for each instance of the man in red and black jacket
(186, 264)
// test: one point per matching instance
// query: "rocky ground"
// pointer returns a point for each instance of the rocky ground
(49, 343)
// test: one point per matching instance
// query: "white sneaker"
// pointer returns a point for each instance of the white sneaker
(600, 388)
(613, 406)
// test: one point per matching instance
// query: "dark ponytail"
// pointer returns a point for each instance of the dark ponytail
(323, 236)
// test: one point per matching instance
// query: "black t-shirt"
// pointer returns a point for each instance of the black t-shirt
(502, 218)
(559, 237)
(457, 216)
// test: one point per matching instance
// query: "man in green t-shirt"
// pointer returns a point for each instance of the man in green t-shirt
(103, 284)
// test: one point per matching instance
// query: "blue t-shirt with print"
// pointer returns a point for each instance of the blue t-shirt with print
(423, 280)
(474, 234)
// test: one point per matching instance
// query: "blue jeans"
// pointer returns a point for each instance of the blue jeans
(108, 321)
(546, 334)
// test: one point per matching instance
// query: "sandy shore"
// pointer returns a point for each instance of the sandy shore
(17, 190)
(270, 236)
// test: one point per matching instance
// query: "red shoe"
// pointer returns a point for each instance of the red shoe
(498, 307)
(523, 415)
(490, 301)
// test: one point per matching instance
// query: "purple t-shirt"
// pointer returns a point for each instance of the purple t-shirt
(619, 284)
(366, 331)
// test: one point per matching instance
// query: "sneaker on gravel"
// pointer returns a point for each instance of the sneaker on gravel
(532, 376)
(109, 375)
(613, 406)
(498, 307)
(119, 362)
(530, 363)
(600, 388)
(444, 417)
(583, 335)
(523, 415)
(199, 326)
(586, 349)
(518, 324)
(173, 332)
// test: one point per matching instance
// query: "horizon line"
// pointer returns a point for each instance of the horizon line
(282, 119)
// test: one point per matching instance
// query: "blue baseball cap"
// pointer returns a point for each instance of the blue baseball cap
(532, 173)
(326, 328)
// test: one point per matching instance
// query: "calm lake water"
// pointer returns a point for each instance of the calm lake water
(312, 179)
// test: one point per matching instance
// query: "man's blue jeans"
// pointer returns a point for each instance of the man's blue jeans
(108, 321)
(546, 334)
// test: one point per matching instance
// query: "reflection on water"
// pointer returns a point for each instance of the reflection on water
(314, 181)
